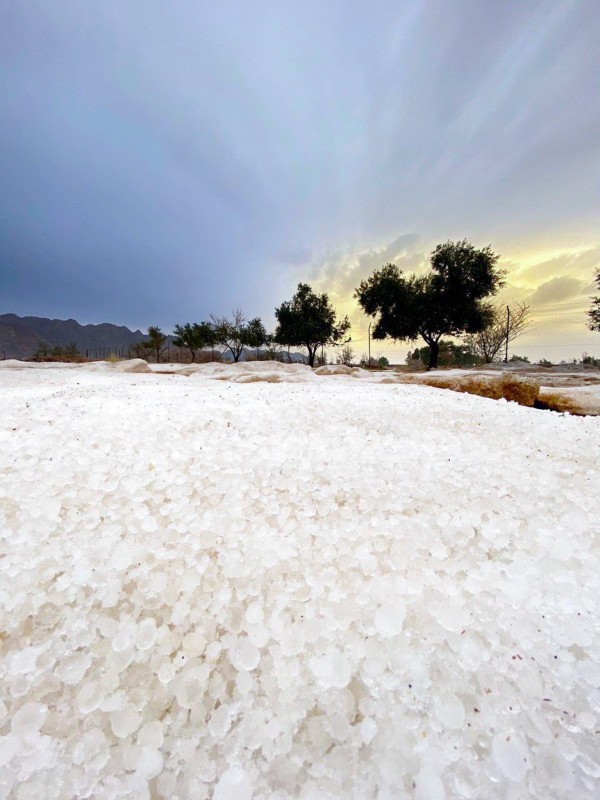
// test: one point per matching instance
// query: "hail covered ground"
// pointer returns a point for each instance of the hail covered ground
(294, 586)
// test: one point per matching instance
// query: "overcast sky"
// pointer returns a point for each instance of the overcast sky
(160, 161)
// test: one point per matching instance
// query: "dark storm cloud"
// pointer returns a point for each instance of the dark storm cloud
(160, 161)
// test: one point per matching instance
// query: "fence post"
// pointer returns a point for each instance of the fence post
(507, 332)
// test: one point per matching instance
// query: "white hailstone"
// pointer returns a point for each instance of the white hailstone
(149, 525)
(331, 670)
(91, 749)
(244, 682)
(245, 655)
(590, 672)
(449, 710)
(90, 697)
(451, 617)
(368, 729)
(254, 613)
(29, 718)
(429, 786)
(125, 722)
(258, 634)
(195, 643)
(234, 784)
(10, 746)
(150, 763)
(389, 619)
(511, 756)
(245, 569)
(24, 661)
(220, 722)
(145, 635)
(166, 672)
(151, 735)
(73, 668)
(123, 640)
(188, 693)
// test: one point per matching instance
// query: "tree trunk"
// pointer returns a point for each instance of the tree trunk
(434, 351)
(311, 356)
(157, 355)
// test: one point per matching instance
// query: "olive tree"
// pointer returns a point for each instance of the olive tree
(156, 341)
(447, 301)
(309, 320)
(194, 336)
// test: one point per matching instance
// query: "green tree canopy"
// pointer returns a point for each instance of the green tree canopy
(255, 334)
(594, 312)
(237, 333)
(448, 301)
(309, 320)
(156, 341)
(194, 336)
(450, 354)
(231, 333)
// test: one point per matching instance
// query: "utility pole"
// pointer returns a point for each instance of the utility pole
(507, 330)
(369, 338)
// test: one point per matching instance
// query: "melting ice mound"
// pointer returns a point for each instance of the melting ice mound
(578, 393)
(330, 590)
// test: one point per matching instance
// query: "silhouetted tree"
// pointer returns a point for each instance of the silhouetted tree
(255, 334)
(450, 354)
(309, 320)
(229, 333)
(141, 350)
(594, 312)
(447, 301)
(194, 336)
(156, 341)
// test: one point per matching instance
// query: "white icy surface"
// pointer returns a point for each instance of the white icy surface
(323, 589)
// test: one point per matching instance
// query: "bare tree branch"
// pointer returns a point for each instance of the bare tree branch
(489, 342)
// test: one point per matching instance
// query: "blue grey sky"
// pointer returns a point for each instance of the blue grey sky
(164, 160)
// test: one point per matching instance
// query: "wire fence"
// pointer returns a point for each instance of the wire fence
(558, 333)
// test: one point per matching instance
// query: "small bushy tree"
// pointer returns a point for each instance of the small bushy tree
(236, 333)
(255, 335)
(157, 341)
(450, 354)
(194, 336)
(309, 320)
(68, 352)
(590, 361)
(230, 333)
(141, 350)
(346, 355)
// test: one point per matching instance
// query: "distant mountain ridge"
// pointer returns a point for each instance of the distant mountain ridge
(20, 336)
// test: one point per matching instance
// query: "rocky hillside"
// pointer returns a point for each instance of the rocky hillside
(20, 336)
